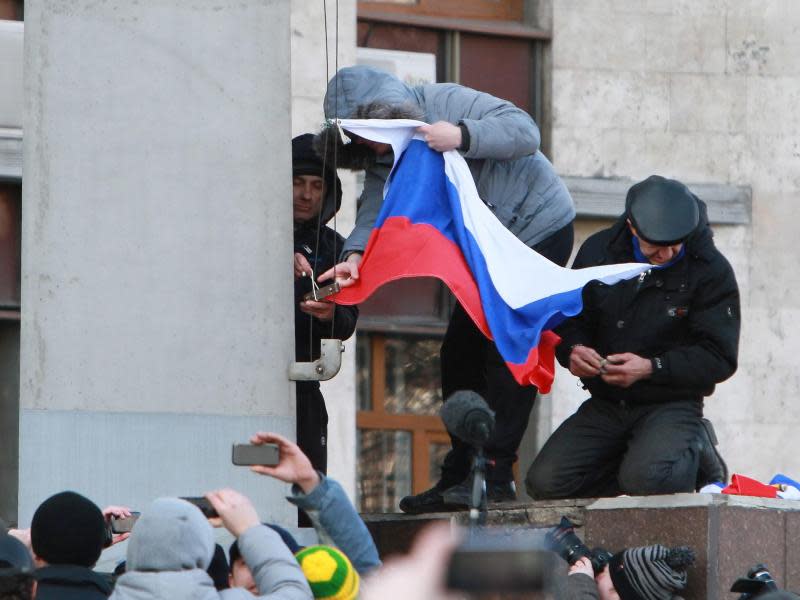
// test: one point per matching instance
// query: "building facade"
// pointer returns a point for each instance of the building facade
(705, 92)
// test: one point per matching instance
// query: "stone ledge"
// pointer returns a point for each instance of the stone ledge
(693, 500)
(597, 197)
(394, 532)
(729, 533)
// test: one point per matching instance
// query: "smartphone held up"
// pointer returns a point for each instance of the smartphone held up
(248, 455)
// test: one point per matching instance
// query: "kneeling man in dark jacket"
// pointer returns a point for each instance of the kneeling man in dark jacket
(648, 350)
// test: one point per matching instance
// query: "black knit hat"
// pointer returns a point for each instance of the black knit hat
(306, 161)
(650, 572)
(68, 529)
(663, 211)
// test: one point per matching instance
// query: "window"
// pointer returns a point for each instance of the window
(10, 236)
(487, 47)
(10, 226)
(401, 439)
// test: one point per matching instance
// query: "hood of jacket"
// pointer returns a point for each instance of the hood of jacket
(354, 87)
(194, 584)
(171, 535)
(363, 92)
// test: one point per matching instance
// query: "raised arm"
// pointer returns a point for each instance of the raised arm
(312, 491)
(497, 129)
(275, 570)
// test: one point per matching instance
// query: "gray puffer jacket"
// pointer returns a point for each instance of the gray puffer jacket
(513, 177)
(171, 547)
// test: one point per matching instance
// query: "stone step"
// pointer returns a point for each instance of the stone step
(730, 534)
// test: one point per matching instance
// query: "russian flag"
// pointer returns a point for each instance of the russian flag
(433, 224)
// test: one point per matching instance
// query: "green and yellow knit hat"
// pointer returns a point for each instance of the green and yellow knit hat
(329, 573)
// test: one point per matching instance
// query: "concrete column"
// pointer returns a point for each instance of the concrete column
(157, 305)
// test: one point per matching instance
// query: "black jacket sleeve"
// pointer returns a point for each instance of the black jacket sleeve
(714, 324)
(343, 324)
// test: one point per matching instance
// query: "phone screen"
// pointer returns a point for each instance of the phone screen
(124, 525)
(246, 455)
(203, 504)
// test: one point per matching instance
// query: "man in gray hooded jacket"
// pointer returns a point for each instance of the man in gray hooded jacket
(172, 544)
(500, 143)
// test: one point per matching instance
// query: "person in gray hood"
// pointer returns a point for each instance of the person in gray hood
(500, 143)
(172, 544)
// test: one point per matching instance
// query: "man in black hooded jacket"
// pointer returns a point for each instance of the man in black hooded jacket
(316, 196)
(648, 350)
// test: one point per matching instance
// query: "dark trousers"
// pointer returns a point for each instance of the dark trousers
(607, 449)
(312, 432)
(470, 361)
(312, 425)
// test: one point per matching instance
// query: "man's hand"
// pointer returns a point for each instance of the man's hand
(345, 273)
(301, 266)
(584, 565)
(120, 512)
(626, 369)
(321, 309)
(441, 136)
(236, 511)
(293, 466)
(585, 361)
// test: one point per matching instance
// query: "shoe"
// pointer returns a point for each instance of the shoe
(712, 467)
(496, 491)
(429, 501)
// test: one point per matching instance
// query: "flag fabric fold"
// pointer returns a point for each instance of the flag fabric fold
(433, 223)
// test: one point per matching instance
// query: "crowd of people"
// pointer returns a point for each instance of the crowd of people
(171, 553)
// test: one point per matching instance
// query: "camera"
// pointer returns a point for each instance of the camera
(563, 540)
(758, 581)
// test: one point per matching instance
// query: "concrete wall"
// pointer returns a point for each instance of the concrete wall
(153, 323)
(705, 91)
(309, 80)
